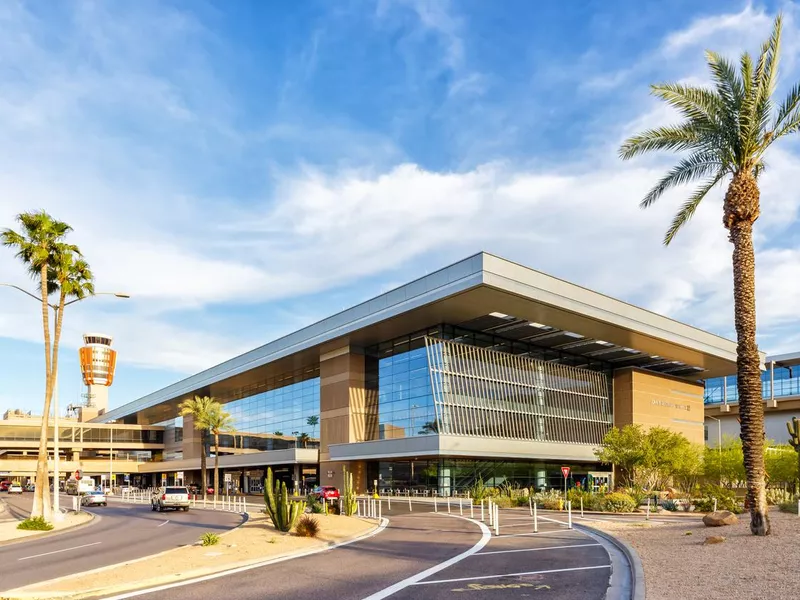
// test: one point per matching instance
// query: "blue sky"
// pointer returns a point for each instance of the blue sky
(245, 168)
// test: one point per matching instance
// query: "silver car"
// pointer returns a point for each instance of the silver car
(94, 499)
(170, 497)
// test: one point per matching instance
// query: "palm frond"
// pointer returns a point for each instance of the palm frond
(790, 125)
(696, 166)
(787, 107)
(675, 138)
(689, 207)
(700, 105)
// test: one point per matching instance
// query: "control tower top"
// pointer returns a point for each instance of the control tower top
(97, 338)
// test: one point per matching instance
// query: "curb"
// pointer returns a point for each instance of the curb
(635, 590)
(131, 591)
(43, 534)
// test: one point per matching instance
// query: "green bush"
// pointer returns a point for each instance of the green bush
(778, 496)
(35, 524)
(209, 539)
(619, 502)
(521, 500)
(504, 501)
(549, 500)
(477, 491)
(307, 526)
(591, 501)
(789, 506)
(671, 505)
(637, 493)
(315, 505)
(726, 499)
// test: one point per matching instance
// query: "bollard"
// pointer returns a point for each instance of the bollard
(569, 513)
(389, 500)
(358, 508)
(535, 519)
(380, 510)
(483, 520)
(798, 507)
(491, 512)
(471, 508)
(409, 504)
(530, 504)
(715, 505)
(448, 505)
(435, 508)
(581, 507)
(647, 517)
(460, 508)
(496, 519)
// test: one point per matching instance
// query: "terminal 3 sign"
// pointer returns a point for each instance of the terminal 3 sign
(668, 404)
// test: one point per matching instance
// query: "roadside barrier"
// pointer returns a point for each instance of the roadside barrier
(535, 519)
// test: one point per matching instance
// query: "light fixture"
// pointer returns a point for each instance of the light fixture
(572, 334)
(498, 315)
(603, 343)
(537, 325)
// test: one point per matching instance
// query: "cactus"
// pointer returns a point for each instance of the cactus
(794, 432)
(349, 496)
(283, 513)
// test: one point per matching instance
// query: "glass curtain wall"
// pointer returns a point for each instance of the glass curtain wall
(787, 383)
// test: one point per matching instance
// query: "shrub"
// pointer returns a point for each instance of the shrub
(209, 539)
(591, 501)
(549, 500)
(637, 493)
(477, 491)
(504, 501)
(521, 500)
(789, 506)
(307, 526)
(35, 524)
(671, 505)
(315, 506)
(619, 502)
(777, 496)
(726, 499)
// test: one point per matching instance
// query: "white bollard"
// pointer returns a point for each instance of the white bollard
(435, 508)
(483, 520)
(448, 505)
(530, 504)
(496, 520)
(380, 510)
(389, 500)
(581, 507)
(460, 508)
(409, 504)
(358, 508)
(647, 517)
(569, 513)
(491, 513)
(471, 508)
(715, 504)
(535, 519)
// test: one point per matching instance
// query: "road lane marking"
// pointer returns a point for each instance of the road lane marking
(537, 549)
(512, 575)
(558, 531)
(486, 535)
(57, 551)
(473, 587)
(164, 523)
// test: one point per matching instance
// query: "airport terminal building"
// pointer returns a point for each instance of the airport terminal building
(484, 369)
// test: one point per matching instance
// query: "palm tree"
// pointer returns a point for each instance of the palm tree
(199, 408)
(313, 420)
(39, 246)
(303, 438)
(219, 421)
(725, 133)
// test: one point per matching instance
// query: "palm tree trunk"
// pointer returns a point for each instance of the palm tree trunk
(748, 363)
(216, 466)
(203, 464)
(41, 498)
(54, 367)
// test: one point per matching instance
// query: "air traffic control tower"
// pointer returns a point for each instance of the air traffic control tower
(98, 362)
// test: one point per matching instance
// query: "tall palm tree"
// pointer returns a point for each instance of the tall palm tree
(38, 245)
(313, 420)
(724, 134)
(199, 408)
(219, 421)
(303, 439)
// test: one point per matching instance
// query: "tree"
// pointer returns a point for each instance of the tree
(52, 263)
(725, 133)
(726, 463)
(781, 464)
(219, 421)
(313, 421)
(303, 439)
(626, 449)
(199, 408)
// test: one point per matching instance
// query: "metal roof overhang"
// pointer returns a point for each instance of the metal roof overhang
(482, 292)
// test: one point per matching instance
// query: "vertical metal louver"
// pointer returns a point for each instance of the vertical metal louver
(482, 392)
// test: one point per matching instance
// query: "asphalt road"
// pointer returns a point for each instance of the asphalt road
(120, 532)
(409, 560)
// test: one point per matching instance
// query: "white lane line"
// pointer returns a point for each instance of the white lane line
(486, 535)
(558, 531)
(536, 549)
(513, 574)
(57, 551)
(164, 523)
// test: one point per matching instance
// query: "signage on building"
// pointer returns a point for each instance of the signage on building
(565, 472)
(660, 402)
(179, 475)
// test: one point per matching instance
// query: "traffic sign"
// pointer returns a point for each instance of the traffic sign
(565, 472)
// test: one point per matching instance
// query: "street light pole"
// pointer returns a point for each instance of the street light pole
(56, 446)
(719, 445)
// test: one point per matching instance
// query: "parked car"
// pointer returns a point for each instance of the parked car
(94, 498)
(4, 485)
(30, 487)
(324, 492)
(15, 488)
(170, 497)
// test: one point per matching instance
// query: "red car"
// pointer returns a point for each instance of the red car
(4, 485)
(325, 492)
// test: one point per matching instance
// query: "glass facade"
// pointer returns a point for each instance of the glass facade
(275, 419)
(455, 476)
(452, 381)
(77, 433)
(787, 383)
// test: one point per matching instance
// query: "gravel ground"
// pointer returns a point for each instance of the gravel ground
(743, 567)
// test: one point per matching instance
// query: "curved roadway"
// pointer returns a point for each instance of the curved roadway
(120, 532)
